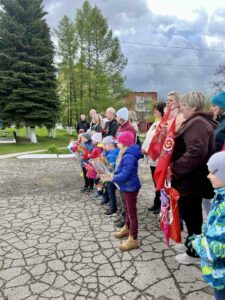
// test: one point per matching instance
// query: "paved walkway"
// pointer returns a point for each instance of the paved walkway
(11, 155)
(55, 243)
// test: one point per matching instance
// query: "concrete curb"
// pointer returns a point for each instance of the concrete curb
(44, 156)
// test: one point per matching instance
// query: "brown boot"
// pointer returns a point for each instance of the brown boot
(129, 244)
(124, 232)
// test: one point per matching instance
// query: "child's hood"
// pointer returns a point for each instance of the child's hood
(134, 150)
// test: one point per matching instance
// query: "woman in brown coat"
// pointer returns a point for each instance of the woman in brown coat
(194, 144)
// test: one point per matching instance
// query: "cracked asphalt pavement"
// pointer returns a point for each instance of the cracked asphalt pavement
(56, 243)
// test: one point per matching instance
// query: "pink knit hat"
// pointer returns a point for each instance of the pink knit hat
(126, 138)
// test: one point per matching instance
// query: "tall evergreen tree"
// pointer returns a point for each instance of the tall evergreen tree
(27, 74)
(100, 54)
(89, 50)
(68, 51)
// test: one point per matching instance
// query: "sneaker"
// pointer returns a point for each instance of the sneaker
(187, 260)
(180, 248)
(109, 212)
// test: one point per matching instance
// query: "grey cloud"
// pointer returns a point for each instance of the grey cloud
(133, 21)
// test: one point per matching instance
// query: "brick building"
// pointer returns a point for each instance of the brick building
(142, 103)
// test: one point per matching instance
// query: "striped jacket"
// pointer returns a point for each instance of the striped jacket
(210, 245)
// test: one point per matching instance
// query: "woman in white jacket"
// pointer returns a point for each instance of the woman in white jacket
(158, 114)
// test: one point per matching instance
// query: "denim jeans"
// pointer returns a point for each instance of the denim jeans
(219, 294)
(111, 190)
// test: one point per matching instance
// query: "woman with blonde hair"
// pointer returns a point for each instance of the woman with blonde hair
(96, 122)
(194, 144)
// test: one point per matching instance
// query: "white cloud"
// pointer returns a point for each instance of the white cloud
(184, 9)
(158, 22)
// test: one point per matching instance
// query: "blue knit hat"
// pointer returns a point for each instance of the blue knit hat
(219, 100)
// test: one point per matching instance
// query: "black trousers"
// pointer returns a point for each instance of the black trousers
(88, 182)
(157, 201)
(191, 209)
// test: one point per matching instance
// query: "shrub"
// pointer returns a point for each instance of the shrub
(53, 149)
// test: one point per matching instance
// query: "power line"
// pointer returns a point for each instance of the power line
(175, 47)
(172, 65)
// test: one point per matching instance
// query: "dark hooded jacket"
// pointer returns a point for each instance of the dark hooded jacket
(220, 133)
(126, 174)
(194, 144)
(111, 128)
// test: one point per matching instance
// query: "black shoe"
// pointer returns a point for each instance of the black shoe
(84, 189)
(156, 211)
(153, 207)
(109, 212)
(120, 224)
(89, 190)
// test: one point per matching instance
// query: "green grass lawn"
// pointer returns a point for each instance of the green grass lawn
(44, 142)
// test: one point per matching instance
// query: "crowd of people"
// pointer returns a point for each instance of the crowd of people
(196, 171)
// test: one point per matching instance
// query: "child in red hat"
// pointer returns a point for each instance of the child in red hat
(126, 177)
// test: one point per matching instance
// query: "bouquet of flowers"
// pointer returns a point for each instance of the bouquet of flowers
(104, 169)
(102, 166)
(71, 145)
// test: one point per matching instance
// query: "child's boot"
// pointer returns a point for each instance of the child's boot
(130, 244)
(124, 232)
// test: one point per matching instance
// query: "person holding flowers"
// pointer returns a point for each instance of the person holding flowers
(87, 147)
(126, 177)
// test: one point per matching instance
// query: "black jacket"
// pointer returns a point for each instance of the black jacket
(111, 128)
(83, 125)
(220, 133)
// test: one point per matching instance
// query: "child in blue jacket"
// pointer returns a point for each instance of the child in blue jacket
(210, 245)
(109, 195)
(126, 177)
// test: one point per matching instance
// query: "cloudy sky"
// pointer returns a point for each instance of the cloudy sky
(170, 44)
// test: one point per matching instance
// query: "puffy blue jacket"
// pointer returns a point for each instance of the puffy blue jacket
(210, 245)
(111, 155)
(126, 174)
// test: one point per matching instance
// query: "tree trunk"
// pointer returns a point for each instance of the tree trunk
(28, 133)
(70, 130)
(18, 132)
(33, 137)
(49, 132)
(54, 133)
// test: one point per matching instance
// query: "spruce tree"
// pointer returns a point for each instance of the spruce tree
(27, 74)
